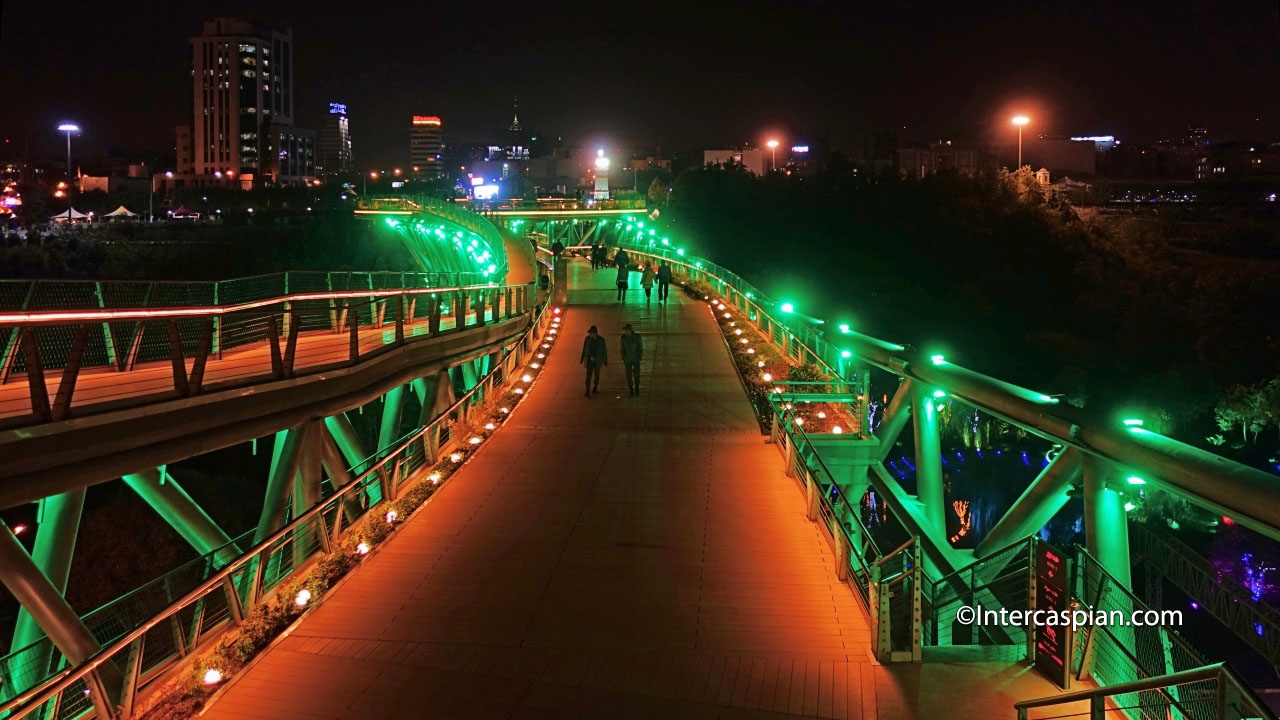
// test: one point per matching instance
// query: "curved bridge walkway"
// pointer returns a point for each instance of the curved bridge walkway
(610, 557)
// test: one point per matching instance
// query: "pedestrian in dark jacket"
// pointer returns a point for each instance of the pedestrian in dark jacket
(664, 281)
(621, 259)
(623, 274)
(595, 355)
(632, 349)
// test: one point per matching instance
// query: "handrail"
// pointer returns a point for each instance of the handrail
(866, 532)
(58, 683)
(1208, 672)
(55, 317)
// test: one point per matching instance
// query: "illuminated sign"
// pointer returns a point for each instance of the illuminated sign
(337, 108)
(799, 148)
(485, 192)
(1095, 138)
(1052, 642)
(476, 182)
(426, 120)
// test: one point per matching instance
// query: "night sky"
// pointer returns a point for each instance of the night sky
(684, 75)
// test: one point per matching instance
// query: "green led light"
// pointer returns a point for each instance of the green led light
(844, 327)
(640, 224)
(680, 252)
(1128, 507)
(936, 359)
(1133, 422)
(666, 241)
(939, 393)
(750, 295)
(846, 354)
(1135, 480)
(788, 308)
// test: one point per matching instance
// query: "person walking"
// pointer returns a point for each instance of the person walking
(621, 259)
(632, 349)
(646, 281)
(595, 355)
(595, 256)
(623, 274)
(664, 281)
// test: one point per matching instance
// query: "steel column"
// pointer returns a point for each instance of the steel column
(54, 547)
(1106, 524)
(929, 489)
(285, 460)
(392, 408)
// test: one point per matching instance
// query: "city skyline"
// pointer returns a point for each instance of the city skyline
(924, 73)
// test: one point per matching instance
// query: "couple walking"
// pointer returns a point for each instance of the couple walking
(648, 275)
(595, 355)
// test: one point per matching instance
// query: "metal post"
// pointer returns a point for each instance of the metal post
(159, 490)
(306, 495)
(929, 489)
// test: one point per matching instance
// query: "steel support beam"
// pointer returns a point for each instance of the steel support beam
(54, 547)
(38, 595)
(285, 459)
(1042, 499)
(895, 418)
(1106, 524)
(929, 490)
(163, 493)
(306, 494)
(392, 408)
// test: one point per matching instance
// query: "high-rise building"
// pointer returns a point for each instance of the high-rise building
(334, 142)
(517, 148)
(242, 84)
(426, 146)
(182, 136)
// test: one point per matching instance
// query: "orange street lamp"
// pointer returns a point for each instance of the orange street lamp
(1020, 120)
(773, 154)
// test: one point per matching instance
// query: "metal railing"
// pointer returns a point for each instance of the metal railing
(1253, 620)
(1114, 654)
(223, 598)
(153, 352)
(1210, 692)
(998, 581)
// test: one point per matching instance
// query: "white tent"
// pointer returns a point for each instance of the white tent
(121, 212)
(71, 214)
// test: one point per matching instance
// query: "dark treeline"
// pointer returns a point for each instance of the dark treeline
(1007, 279)
(181, 251)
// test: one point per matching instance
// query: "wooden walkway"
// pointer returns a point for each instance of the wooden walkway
(609, 557)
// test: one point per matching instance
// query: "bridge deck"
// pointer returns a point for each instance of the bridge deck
(609, 557)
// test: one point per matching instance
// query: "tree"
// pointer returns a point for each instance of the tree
(658, 190)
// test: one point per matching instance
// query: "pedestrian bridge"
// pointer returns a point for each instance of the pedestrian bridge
(717, 547)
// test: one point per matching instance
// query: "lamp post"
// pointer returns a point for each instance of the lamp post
(69, 128)
(773, 154)
(1020, 120)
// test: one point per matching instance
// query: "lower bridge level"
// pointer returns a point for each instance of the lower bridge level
(611, 556)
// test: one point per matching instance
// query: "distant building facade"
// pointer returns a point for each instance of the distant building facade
(752, 159)
(242, 92)
(333, 143)
(923, 161)
(426, 146)
(1063, 156)
(291, 155)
